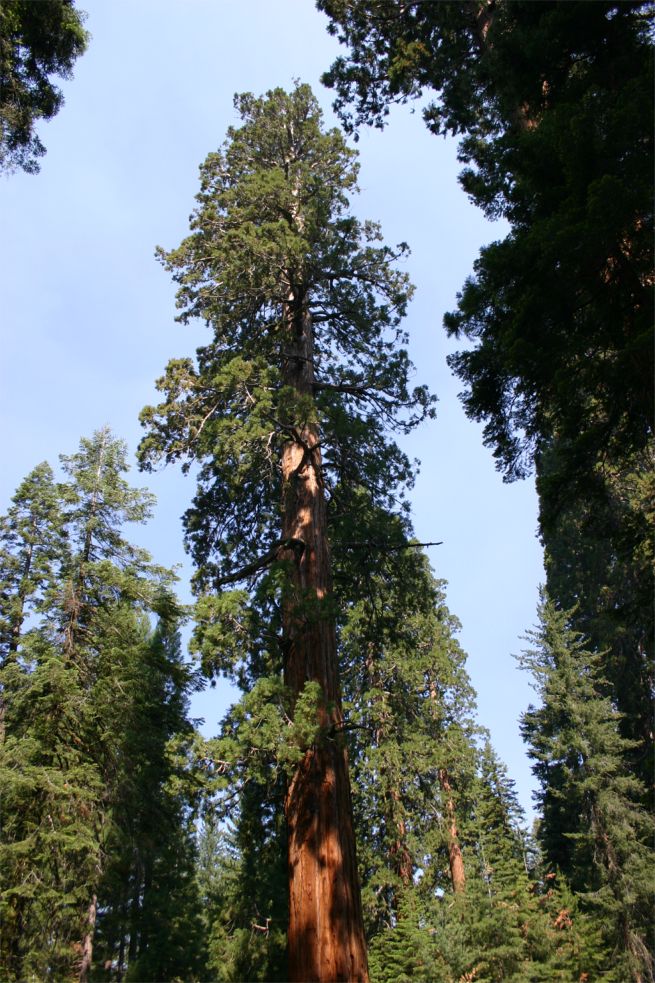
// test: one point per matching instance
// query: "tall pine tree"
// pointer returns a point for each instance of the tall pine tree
(79, 661)
(593, 828)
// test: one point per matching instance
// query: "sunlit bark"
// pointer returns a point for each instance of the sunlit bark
(326, 936)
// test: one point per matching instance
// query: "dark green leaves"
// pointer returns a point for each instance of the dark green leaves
(37, 41)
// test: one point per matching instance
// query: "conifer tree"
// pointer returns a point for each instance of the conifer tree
(552, 104)
(503, 917)
(503, 925)
(291, 397)
(80, 665)
(594, 828)
(32, 538)
(408, 700)
(244, 875)
(149, 924)
(600, 566)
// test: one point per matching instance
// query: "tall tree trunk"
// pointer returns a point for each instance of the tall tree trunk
(402, 858)
(87, 942)
(455, 859)
(326, 934)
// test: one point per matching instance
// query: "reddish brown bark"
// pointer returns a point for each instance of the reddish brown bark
(401, 855)
(326, 935)
(455, 859)
(87, 943)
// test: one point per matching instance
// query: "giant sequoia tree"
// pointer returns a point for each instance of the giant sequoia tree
(286, 411)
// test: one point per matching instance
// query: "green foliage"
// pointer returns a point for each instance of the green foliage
(272, 219)
(509, 924)
(243, 880)
(52, 795)
(32, 538)
(552, 102)
(407, 952)
(91, 699)
(600, 565)
(37, 41)
(150, 920)
(594, 827)
(407, 698)
(273, 252)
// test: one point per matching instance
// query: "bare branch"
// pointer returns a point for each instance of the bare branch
(392, 548)
(266, 560)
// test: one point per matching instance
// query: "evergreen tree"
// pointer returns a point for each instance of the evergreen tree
(506, 928)
(82, 664)
(293, 397)
(552, 102)
(149, 923)
(505, 925)
(33, 542)
(407, 952)
(600, 565)
(37, 41)
(52, 801)
(594, 828)
(408, 700)
(245, 889)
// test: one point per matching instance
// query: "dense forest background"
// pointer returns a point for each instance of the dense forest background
(350, 816)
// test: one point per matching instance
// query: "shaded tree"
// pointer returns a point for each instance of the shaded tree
(551, 103)
(149, 925)
(594, 828)
(38, 40)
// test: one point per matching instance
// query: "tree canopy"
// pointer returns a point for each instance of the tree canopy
(552, 102)
(38, 41)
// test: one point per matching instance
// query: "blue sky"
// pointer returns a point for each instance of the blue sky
(88, 314)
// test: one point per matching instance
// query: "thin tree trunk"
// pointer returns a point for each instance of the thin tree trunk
(455, 859)
(326, 935)
(87, 943)
(401, 855)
